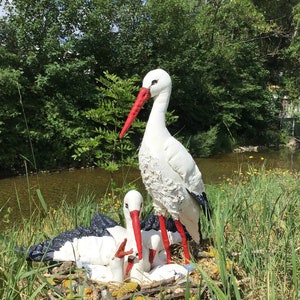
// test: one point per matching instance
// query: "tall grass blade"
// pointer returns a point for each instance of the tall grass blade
(213, 286)
(37, 291)
(295, 268)
(235, 287)
(42, 200)
(51, 287)
(187, 295)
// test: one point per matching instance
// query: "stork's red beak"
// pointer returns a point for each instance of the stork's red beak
(137, 231)
(142, 97)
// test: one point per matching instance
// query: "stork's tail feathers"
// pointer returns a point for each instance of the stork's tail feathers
(41, 252)
(202, 200)
(38, 252)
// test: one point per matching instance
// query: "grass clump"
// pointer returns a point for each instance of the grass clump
(256, 226)
(254, 231)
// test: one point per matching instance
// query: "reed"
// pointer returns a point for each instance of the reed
(254, 231)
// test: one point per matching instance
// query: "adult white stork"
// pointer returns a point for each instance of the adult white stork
(169, 172)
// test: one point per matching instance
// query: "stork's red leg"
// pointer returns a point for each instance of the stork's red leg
(165, 238)
(183, 241)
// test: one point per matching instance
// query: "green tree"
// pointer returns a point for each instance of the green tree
(291, 55)
(56, 82)
(234, 77)
(130, 38)
(13, 138)
(9, 117)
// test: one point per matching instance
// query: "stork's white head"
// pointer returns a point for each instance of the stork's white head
(132, 207)
(133, 200)
(155, 82)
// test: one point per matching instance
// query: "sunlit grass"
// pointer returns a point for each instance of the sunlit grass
(254, 230)
(256, 224)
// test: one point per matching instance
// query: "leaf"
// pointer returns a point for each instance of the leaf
(42, 200)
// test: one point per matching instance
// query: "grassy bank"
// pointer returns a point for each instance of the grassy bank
(254, 231)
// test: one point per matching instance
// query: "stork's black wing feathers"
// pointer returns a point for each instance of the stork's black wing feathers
(41, 252)
(203, 201)
(44, 251)
(151, 222)
(101, 223)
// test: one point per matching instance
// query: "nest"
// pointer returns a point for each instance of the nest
(69, 282)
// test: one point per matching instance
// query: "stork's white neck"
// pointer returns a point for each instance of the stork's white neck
(129, 227)
(117, 269)
(157, 119)
(131, 243)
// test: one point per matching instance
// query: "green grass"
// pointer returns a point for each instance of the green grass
(255, 226)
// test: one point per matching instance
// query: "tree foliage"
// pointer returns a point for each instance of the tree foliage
(100, 144)
(69, 71)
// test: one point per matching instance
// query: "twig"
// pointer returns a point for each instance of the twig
(157, 283)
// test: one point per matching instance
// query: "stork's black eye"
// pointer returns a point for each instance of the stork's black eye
(154, 82)
(126, 205)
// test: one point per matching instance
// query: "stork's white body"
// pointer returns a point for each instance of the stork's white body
(167, 168)
(114, 271)
(89, 250)
(158, 273)
(168, 171)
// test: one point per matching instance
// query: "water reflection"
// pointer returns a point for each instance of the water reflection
(70, 185)
(218, 167)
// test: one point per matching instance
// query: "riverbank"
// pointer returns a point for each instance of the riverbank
(291, 148)
(292, 145)
(254, 232)
(73, 184)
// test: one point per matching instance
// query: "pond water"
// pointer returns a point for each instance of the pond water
(71, 184)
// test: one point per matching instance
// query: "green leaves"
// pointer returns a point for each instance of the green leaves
(101, 146)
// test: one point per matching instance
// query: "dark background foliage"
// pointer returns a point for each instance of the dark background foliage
(69, 71)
